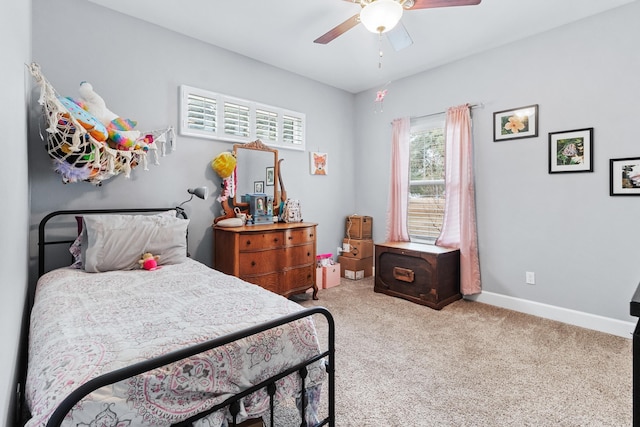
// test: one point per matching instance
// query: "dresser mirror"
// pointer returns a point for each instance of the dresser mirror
(253, 160)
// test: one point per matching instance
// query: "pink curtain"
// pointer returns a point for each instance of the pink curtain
(459, 227)
(397, 230)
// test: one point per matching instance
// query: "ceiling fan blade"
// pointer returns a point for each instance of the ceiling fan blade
(428, 4)
(339, 30)
(399, 38)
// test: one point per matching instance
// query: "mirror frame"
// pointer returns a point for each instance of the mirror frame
(257, 145)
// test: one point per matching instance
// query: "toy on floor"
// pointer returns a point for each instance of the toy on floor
(149, 261)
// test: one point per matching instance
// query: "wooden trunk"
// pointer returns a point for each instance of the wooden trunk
(425, 274)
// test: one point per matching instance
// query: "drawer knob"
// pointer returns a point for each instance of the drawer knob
(253, 263)
(248, 242)
(308, 253)
(275, 240)
(290, 238)
(311, 235)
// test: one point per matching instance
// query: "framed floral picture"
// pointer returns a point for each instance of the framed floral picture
(625, 176)
(571, 151)
(516, 123)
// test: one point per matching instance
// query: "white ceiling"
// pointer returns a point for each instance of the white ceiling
(281, 32)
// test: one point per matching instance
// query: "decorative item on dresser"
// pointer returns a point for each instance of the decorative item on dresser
(280, 257)
(425, 274)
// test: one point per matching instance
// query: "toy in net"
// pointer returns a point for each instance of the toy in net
(80, 147)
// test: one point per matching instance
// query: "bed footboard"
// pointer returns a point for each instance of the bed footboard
(233, 402)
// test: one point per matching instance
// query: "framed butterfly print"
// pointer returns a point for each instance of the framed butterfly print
(571, 151)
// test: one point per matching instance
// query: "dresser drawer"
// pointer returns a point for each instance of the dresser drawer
(258, 241)
(260, 262)
(269, 281)
(299, 236)
(301, 277)
(299, 255)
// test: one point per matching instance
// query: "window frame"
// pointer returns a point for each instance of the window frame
(288, 126)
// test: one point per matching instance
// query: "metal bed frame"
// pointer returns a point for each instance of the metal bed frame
(232, 402)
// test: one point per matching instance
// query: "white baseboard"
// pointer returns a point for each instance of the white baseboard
(607, 325)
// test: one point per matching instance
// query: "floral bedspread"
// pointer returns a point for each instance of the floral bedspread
(86, 324)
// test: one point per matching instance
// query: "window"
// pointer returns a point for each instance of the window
(212, 115)
(426, 179)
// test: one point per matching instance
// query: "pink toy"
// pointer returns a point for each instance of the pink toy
(149, 261)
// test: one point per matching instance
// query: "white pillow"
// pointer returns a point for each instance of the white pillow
(117, 242)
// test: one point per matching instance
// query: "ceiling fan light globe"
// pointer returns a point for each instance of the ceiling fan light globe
(381, 16)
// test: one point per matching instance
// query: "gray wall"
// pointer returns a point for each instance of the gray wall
(15, 46)
(581, 243)
(137, 68)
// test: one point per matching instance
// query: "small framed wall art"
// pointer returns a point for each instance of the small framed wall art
(571, 151)
(319, 163)
(258, 187)
(517, 123)
(625, 177)
(271, 175)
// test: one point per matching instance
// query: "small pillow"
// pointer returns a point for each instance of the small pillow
(76, 252)
(116, 242)
(229, 222)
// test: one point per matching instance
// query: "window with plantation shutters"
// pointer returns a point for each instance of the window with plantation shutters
(236, 120)
(201, 114)
(426, 179)
(293, 130)
(217, 116)
(266, 125)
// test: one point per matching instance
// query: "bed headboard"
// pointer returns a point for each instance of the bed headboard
(44, 240)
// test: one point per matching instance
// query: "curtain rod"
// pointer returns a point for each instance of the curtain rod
(480, 105)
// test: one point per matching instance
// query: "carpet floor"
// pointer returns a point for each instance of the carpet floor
(469, 364)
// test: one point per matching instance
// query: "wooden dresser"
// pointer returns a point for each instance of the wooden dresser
(425, 274)
(280, 257)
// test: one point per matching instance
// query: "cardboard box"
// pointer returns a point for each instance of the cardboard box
(330, 276)
(358, 227)
(358, 248)
(354, 268)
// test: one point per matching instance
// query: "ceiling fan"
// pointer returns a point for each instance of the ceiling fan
(381, 16)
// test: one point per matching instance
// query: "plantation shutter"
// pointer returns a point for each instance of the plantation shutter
(292, 130)
(236, 119)
(266, 125)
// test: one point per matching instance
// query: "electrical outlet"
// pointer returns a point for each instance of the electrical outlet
(339, 251)
(530, 278)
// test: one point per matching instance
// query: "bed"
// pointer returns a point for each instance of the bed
(112, 344)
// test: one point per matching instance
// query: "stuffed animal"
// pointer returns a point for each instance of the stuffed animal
(149, 261)
(120, 130)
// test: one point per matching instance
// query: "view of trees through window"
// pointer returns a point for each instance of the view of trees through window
(426, 185)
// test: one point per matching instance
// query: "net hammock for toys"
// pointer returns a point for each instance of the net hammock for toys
(78, 156)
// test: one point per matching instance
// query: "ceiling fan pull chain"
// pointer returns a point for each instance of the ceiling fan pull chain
(380, 50)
